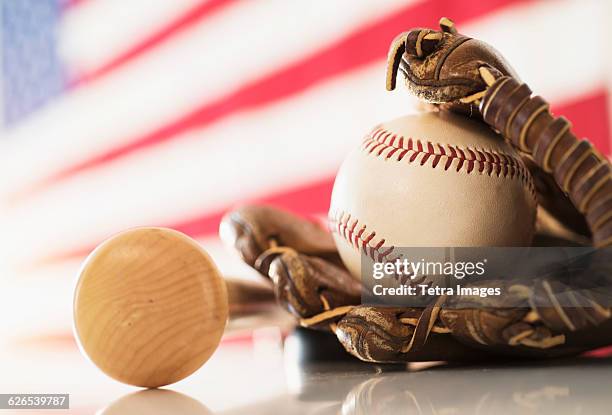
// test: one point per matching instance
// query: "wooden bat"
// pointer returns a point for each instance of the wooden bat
(150, 306)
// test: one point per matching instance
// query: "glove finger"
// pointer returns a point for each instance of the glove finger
(384, 335)
(253, 229)
(307, 286)
(443, 66)
(482, 326)
(244, 235)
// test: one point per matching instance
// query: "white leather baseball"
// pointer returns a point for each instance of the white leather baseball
(433, 179)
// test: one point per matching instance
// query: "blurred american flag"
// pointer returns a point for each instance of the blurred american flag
(168, 113)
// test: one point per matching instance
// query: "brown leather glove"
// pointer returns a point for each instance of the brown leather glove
(321, 293)
(465, 75)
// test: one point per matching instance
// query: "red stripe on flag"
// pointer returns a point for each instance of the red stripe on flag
(68, 4)
(65, 340)
(361, 47)
(189, 18)
(604, 352)
(310, 199)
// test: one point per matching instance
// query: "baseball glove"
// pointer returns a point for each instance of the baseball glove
(465, 75)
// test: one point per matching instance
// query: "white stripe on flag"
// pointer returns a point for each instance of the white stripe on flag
(97, 30)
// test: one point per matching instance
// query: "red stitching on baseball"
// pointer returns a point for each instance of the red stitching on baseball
(344, 225)
(383, 143)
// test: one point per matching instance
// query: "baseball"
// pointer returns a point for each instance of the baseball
(430, 180)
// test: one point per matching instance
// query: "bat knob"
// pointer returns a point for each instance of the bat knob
(150, 307)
